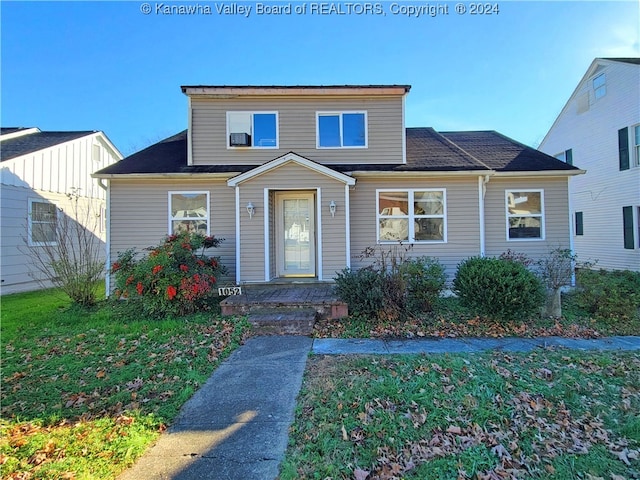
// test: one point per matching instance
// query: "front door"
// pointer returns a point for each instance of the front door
(295, 234)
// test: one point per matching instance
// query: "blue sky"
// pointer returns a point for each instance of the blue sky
(107, 66)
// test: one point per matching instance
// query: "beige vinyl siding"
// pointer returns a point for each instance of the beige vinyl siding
(463, 228)
(297, 129)
(556, 215)
(291, 176)
(140, 215)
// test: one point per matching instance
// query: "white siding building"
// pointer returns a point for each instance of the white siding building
(38, 170)
(598, 130)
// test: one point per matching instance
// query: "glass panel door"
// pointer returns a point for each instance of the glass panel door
(296, 235)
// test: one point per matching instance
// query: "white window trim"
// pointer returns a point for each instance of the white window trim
(30, 241)
(340, 114)
(252, 113)
(411, 216)
(636, 151)
(187, 192)
(541, 214)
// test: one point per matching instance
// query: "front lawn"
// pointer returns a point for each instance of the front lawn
(84, 392)
(546, 414)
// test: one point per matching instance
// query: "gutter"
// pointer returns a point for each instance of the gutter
(220, 175)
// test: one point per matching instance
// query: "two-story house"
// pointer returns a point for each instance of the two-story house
(39, 170)
(300, 180)
(599, 130)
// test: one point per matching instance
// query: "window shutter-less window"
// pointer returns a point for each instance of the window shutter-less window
(579, 224)
(627, 225)
(623, 148)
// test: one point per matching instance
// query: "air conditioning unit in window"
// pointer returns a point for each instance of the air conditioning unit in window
(240, 140)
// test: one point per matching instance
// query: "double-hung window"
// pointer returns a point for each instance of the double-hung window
(525, 214)
(636, 146)
(416, 215)
(252, 129)
(599, 86)
(566, 156)
(189, 212)
(341, 130)
(43, 221)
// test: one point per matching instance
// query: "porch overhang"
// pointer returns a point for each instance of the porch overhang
(291, 157)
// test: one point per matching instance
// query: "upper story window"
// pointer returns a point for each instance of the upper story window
(412, 215)
(252, 129)
(189, 212)
(525, 214)
(43, 221)
(566, 156)
(342, 130)
(600, 86)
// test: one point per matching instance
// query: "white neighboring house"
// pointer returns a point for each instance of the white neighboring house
(598, 130)
(38, 170)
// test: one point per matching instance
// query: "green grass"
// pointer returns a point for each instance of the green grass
(84, 391)
(546, 414)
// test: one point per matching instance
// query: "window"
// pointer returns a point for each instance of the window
(579, 223)
(342, 130)
(252, 129)
(623, 148)
(412, 215)
(566, 156)
(600, 86)
(95, 152)
(525, 214)
(627, 226)
(43, 220)
(636, 145)
(189, 212)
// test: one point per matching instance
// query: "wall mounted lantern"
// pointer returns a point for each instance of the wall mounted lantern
(332, 208)
(251, 210)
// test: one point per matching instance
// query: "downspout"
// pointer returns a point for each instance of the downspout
(482, 190)
(571, 232)
(237, 235)
(107, 257)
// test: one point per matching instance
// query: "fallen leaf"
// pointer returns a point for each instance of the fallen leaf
(359, 474)
(454, 429)
(345, 435)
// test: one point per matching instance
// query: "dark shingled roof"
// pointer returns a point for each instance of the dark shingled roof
(503, 154)
(635, 61)
(427, 150)
(8, 130)
(24, 144)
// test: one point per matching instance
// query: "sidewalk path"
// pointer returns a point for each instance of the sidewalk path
(236, 426)
(345, 346)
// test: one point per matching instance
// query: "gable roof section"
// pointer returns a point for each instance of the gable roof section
(427, 151)
(32, 142)
(291, 157)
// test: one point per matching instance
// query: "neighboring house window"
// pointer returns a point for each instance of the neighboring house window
(342, 130)
(566, 156)
(252, 129)
(525, 214)
(189, 212)
(579, 223)
(412, 215)
(636, 145)
(627, 225)
(623, 148)
(43, 220)
(600, 86)
(95, 152)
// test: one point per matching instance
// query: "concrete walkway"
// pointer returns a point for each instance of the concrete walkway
(236, 426)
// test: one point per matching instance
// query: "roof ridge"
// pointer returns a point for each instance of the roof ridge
(464, 151)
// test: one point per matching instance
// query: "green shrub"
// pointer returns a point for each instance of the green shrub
(362, 290)
(502, 289)
(393, 285)
(172, 280)
(425, 279)
(609, 295)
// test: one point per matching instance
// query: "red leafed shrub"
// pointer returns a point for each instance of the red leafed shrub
(175, 278)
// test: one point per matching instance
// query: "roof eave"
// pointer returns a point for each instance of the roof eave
(217, 175)
(420, 173)
(328, 90)
(542, 173)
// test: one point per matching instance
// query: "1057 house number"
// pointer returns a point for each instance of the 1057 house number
(227, 291)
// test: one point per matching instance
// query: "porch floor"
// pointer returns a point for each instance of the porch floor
(286, 307)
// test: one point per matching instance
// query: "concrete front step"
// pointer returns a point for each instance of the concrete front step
(283, 321)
